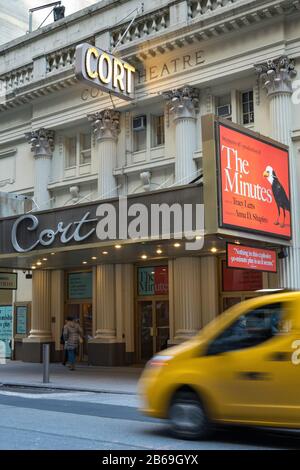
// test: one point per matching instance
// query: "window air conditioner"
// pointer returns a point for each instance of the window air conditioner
(139, 123)
(224, 110)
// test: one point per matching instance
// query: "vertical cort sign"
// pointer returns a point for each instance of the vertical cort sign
(105, 71)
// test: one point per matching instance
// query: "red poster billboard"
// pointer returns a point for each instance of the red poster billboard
(241, 280)
(161, 280)
(249, 257)
(254, 188)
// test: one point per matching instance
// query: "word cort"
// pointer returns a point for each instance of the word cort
(105, 71)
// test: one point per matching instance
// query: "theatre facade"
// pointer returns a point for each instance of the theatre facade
(148, 173)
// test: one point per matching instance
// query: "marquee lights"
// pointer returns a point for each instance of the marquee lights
(104, 71)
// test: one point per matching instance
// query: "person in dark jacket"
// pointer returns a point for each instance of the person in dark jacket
(63, 343)
(72, 335)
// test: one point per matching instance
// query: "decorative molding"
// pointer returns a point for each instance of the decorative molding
(183, 102)
(207, 19)
(276, 75)
(145, 177)
(8, 152)
(142, 28)
(105, 124)
(42, 142)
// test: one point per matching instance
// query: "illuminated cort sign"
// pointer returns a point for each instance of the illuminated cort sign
(104, 71)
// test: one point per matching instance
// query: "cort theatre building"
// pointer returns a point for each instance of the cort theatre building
(180, 103)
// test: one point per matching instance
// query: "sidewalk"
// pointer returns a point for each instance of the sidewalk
(84, 378)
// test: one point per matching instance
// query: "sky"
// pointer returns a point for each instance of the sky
(71, 7)
(14, 17)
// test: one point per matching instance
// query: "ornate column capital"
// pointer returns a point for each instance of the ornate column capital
(183, 102)
(277, 75)
(105, 124)
(42, 142)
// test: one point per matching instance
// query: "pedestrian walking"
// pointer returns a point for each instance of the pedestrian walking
(64, 344)
(72, 336)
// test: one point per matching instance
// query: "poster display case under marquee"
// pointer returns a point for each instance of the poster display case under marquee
(6, 331)
(21, 326)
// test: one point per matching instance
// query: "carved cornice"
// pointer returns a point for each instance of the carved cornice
(183, 102)
(105, 124)
(199, 27)
(277, 75)
(42, 142)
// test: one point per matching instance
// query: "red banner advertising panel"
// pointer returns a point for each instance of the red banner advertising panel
(249, 257)
(254, 188)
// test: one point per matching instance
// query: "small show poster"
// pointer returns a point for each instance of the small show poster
(6, 330)
(153, 280)
(80, 285)
(21, 320)
(254, 184)
(239, 280)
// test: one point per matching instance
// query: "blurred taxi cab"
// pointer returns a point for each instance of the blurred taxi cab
(241, 368)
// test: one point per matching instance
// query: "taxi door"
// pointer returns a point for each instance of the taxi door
(252, 375)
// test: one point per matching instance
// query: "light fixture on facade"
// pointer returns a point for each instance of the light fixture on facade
(52, 254)
(45, 259)
(105, 252)
(84, 262)
(39, 263)
(144, 256)
(33, 267)
(237, 242)
(177, 245)
(118, 247)
(94, 258)
(214, 249)
(159, 251)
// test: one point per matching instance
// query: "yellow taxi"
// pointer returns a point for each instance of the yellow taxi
(243, 368)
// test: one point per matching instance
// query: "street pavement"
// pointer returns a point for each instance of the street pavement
(85, 378)
(55, 420)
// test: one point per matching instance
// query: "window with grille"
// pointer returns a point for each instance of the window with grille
(85, 149)
(158, 130)
(77, 150)
(247, 107)
(70, 152)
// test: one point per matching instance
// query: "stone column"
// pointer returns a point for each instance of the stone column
(209, 288)
(40, 317)
(125, 309)
(42, 146)
(106, 127)
(184, 104)
(276, 77)
(187, 298)
(57, 308)
(106, 348)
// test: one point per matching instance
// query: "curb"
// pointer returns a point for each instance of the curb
(51, 386)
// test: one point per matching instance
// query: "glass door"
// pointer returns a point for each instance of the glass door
(145, 317)
(83, 314)
(162, 329)
(153, 327)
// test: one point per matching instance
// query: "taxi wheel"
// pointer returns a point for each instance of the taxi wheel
(187, 417)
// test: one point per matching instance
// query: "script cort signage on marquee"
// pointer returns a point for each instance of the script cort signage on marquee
(67, 233)
(105, 71)
(116, 219)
